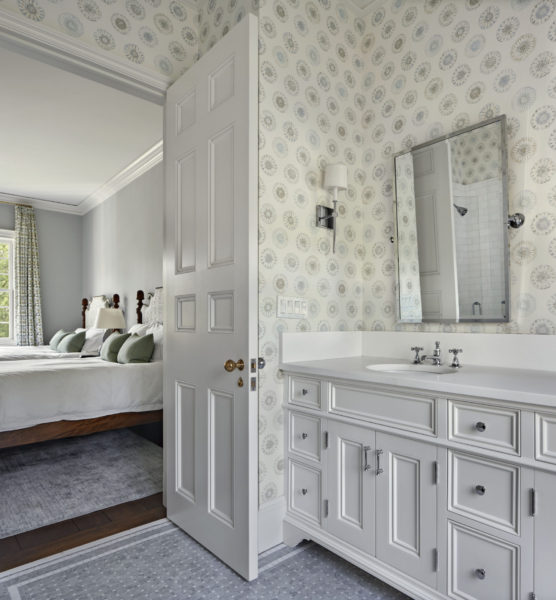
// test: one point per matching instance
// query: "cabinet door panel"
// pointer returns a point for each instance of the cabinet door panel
(351, 489)
(406, 507)
(545, 535)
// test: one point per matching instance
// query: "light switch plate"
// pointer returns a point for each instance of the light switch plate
(290, 307)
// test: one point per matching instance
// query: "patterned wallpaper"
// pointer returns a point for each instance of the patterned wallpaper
(151, 35)
(476, 155)
(314, 93)
(408, 254)
(441, 65)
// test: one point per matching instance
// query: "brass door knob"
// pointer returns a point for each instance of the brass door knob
(230, 365)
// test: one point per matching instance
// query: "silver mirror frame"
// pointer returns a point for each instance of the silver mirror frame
(505, 201)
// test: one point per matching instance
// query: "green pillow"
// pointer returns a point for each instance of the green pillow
(112, 345)
(72, 342)
(137, 349)
(57, 337)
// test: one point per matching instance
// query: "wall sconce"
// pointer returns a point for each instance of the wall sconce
(335, 178)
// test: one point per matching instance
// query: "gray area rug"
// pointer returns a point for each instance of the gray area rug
(49, 482)
(160, 561)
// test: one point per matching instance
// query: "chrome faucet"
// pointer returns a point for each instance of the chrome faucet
(436, 356)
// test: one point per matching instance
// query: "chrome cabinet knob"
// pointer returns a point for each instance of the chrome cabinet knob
(480, 426)
(480, 489)
(304, 491)
(304, 391)
(304, 435)
(480, 573)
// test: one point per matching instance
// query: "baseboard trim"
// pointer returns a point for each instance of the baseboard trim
(271, 515)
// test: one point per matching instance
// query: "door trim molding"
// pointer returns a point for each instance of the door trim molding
(35, 41)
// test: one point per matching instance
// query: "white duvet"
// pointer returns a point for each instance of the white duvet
(40, 391)
(33, 352)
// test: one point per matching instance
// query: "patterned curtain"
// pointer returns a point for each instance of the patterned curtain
(28, 317)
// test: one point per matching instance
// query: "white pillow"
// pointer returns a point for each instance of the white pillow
(158, 333)
(138, 329)
(93, 340)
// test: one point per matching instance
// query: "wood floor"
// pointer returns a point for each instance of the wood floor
(32, 545)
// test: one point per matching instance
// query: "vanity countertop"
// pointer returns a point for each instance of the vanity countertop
(514, 385)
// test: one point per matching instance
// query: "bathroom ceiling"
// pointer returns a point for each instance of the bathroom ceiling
(64, 136)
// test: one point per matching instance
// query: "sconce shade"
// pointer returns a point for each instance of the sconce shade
(110, 318)
(335, 176)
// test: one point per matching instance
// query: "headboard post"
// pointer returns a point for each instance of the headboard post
(116, 300)
(84, 305)
(140, 298)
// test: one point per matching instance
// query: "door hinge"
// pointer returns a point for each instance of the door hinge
(325, 440)
(435, 472)
(533, 502)
(435, 560)
(325, 509)
(253, 385)
(532, 596)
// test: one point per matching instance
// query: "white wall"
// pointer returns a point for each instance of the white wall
(122, 242)
(60, 264)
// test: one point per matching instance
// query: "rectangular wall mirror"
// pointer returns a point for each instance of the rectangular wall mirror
(451, 227)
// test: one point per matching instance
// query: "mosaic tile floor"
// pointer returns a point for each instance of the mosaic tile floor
(158, 561)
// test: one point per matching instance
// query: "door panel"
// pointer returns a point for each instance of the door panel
(210, 278)
(545, 535)
(351, 488)
(406, 506)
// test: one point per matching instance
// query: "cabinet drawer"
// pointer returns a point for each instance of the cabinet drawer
(304, 495)
(304, 435)
(411, 412)
(304, 392)
(484, 490)
(545, 437)
(481, 567)
(491, 427)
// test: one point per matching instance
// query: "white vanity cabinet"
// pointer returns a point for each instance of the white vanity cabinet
(440, 495)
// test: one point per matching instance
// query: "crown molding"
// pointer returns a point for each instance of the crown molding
(34, 40)
(141, 165)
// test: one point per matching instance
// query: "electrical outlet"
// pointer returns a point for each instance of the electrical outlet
(290, 307)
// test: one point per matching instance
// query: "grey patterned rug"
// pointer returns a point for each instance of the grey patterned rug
(160, 561)
(49, 482)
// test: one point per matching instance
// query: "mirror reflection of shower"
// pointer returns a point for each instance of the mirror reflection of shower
(461, 209)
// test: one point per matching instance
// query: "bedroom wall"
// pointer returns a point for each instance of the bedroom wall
(60, 265)
(122, 242)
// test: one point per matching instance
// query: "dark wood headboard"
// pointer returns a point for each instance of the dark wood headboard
(85, 306)
(139, 310)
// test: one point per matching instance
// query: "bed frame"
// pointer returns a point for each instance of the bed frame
(62, 429)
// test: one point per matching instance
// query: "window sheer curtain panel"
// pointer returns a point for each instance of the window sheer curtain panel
(28, 319)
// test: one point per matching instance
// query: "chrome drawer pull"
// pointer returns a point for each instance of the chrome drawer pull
(304, 435)
(304, 491)
(480, 573)
(480, 489)
(304, 391)
(366, 450)
(379, 470)
(480, 426)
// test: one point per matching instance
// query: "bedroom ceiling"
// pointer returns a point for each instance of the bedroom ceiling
(63, 136)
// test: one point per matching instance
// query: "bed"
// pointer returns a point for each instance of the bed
(89, 311)
(45, 399)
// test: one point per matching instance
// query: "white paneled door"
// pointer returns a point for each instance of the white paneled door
(210, 271)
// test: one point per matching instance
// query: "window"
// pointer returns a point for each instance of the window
(6, 286)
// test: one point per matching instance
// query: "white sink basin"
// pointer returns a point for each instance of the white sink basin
(411, 368)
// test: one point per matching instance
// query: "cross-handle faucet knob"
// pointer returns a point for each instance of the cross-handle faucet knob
(455, 361)
(417, 349)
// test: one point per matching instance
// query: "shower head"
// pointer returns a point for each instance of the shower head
(461, 210)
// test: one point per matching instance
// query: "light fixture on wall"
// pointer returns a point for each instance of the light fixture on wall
(335, 179)
(110, 318)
